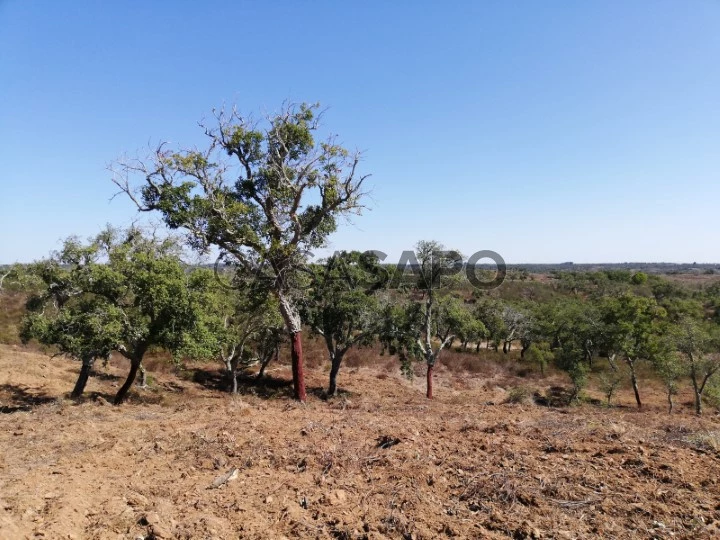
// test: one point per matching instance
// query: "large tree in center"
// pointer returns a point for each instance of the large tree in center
(264, 192)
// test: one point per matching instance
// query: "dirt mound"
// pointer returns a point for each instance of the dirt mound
(182, 460)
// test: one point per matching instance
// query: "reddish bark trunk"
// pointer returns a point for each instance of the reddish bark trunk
(429, 382)
(297, 366)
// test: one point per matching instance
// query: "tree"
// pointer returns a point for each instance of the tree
(670, 369)
(570, 327)
(516, 325)
(438, 318)
(490, 312)
(540, 354)
(399, 327)
(239, 324)
(64, 315)
(468, 328)
(264, 193)
(633, 329)
(698, 343)
(341, 306)
(125, 279)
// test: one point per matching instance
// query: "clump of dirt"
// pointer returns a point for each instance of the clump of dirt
(183, 460)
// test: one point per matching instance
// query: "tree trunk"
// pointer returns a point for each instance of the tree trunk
(232, 373)
(266, 360)
(525, 347)
(429, 392)
(465, 345)
(696, 388)
(122, 393)
(336, 360)
(477, 346)
(611, 361)
(294, 326)
(670, 402)
(698, 401)
(82, 380)
(633, 379)
(506, 347)
(297, 366)
(143, 377)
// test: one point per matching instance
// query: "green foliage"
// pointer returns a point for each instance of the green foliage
(633, 326)
(639, 278)
(121, 291)
(264, 193)
(519, 395)
(670, 368)
(399, 327)
(540, 355)
(232, 320)
(490, 312)
(572, 360)
(609, 382)
(698, 343)
(341, 306)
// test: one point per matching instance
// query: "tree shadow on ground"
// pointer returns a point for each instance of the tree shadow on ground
(556, 396)
(102, 376)
(21, 398)
(267, 387)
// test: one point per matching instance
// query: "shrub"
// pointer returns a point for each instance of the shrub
(519, 395)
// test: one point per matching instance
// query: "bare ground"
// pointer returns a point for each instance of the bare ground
(380, 461)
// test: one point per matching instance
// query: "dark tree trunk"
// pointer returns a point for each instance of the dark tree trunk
(266, 360)
(525, 347)
(297, 366)
(336, 360)
(122, 393)
(506, 347)
(633, 379)
(477, 347)
(465, 345)
(670, 402)
(429, 393)
(82, 380)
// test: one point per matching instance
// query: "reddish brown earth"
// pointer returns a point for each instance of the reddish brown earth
(380, 461)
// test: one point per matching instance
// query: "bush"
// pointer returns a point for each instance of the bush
(519, 395)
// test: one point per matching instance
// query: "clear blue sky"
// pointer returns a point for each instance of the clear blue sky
(547, 131)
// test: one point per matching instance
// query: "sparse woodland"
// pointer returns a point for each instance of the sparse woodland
(265, 192)
(127, 307)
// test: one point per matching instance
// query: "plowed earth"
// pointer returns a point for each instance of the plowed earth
(379, 461)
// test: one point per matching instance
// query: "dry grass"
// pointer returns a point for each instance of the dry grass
(464, 465)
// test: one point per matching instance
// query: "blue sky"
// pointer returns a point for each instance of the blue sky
(546, 131)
